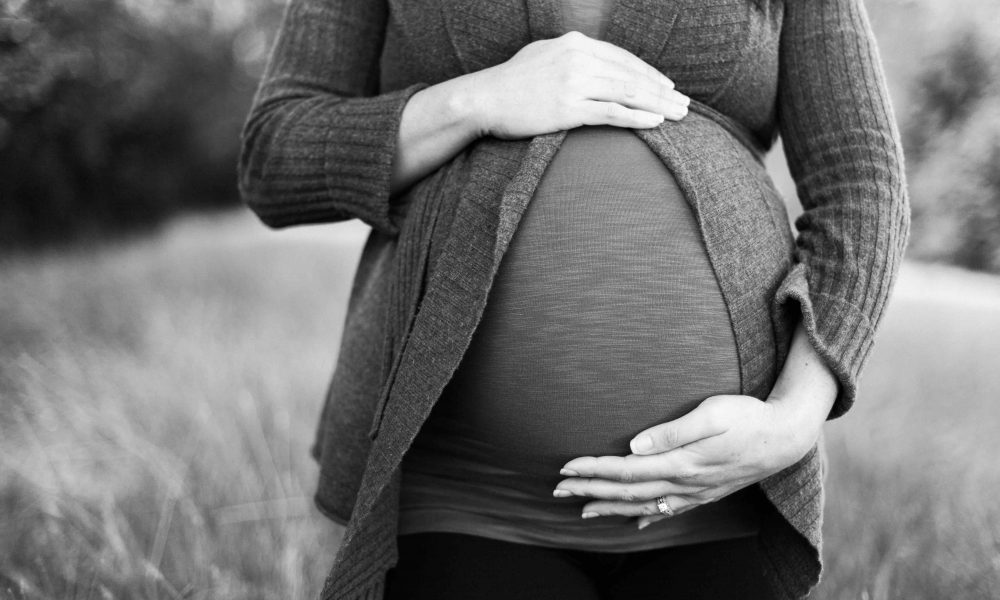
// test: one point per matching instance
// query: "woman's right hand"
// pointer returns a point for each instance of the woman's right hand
(549, 85)
(569, 81)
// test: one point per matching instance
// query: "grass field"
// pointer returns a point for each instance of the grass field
(159, 398)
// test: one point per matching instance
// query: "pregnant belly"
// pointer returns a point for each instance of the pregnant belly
(605, 318)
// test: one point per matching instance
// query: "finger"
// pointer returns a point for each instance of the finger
(605, 508)
(593, 112)
(674, 466)
(616, 61)
(638, 94)
(700, 423)
(628, 61)
(646, 521)
(605, 489)
(659, 88)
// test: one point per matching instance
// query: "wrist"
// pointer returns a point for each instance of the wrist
(803, 394)
(799, 422)
(468, 105)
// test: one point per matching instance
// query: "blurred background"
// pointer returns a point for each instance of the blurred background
(163, 356)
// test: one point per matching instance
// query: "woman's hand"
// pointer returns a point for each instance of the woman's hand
(569, 81)
(725, 444)
(549, 85)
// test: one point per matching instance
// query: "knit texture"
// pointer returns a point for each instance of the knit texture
(318, 147)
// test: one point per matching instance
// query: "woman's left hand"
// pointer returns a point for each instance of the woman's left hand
(725, 444)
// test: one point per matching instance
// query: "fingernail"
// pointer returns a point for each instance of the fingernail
(683, 100)
(568, 472)
(643, 525)
(589, 515)
(561, 493)
(643, 443)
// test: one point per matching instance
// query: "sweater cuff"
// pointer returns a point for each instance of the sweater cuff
(841, 334)
(354, 140)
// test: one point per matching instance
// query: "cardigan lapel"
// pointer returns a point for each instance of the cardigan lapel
(449, 312)
(544, 19)
(497, 32)
(485, 220)
(642, 27)
(719, 204)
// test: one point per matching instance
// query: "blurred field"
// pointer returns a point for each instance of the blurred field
(159, 399)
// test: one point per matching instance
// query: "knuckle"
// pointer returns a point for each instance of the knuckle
(687, 474)
(626, 476)
(671, 437)
(712, 420)
(604, 462)
(650, 509)
(612, 110)
(627, 495)
(715, 416)
(662, 91)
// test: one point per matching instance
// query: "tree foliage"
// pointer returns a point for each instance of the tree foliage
(952, 140)
(112, 119)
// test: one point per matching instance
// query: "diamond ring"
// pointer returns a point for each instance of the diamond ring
(664, 507)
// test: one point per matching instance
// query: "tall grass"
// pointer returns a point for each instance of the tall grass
(158, 400)
(158, 403)
(912, 510)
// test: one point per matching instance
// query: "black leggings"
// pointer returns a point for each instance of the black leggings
(447, 566)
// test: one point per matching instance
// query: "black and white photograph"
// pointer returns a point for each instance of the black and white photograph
(499, 299)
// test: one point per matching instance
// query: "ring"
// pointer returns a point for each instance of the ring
(664, 507)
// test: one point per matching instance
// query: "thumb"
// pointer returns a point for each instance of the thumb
(700, 423)
(647, 519)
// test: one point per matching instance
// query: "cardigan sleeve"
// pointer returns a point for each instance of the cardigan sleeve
(843, 150)
(319, 141)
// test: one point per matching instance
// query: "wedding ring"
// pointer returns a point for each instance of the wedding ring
(664, 507)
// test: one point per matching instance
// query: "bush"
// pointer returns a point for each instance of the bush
(111, 119)
(952, 139)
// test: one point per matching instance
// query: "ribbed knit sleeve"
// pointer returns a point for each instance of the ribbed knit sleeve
(844, 152)
(319, 142)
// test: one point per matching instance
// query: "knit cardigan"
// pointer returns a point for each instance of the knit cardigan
(319, 143)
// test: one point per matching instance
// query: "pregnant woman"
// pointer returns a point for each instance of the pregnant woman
(584, 356)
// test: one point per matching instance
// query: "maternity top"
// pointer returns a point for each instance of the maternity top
(605, 318)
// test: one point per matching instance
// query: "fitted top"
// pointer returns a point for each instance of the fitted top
(605, 318)
(589, 17)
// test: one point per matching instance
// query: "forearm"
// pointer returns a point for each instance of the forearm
(318, 143)
(804, 392)
(844, 152)
(436, 123)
